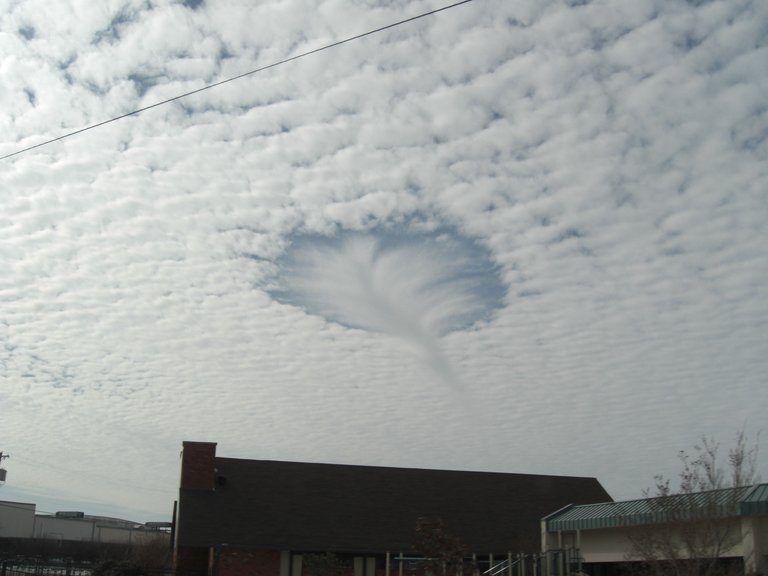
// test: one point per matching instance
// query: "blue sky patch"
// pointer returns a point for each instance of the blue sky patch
(392, 279)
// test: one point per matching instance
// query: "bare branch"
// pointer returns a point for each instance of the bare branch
(697, 522)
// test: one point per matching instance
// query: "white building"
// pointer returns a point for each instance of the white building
(19, 520)
(598, 538)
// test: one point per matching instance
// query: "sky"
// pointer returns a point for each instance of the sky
(515, 235)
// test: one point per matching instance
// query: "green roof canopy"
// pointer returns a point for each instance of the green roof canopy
(727, 502)
(756, 502)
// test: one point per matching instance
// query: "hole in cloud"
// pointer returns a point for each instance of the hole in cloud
(400, 283)
(414, 286)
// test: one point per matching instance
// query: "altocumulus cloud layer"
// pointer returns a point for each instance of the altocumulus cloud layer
(558, 208)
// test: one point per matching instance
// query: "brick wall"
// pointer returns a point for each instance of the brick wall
(191, 561)
(198, 465)
(237, 562)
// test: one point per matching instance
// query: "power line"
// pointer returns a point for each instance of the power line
(233, 78)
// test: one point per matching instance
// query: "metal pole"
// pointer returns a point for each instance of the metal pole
(578, 548)
(173, 524)
(567, 555)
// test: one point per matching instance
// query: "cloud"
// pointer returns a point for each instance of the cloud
(560, 207)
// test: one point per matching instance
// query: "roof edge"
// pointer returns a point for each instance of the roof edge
(410, 468)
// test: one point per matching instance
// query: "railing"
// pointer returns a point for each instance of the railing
(501, 567)
(41, 568)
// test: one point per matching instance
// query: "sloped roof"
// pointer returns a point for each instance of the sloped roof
(725, 502)
(756, 502)
(342, 508)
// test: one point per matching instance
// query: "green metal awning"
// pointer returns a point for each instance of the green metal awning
(756, 502)
(727, 502)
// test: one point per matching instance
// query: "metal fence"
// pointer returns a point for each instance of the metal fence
(34, 567)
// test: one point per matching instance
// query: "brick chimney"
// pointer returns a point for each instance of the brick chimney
(198, 470)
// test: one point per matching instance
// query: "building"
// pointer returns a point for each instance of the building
(238, 516)
(19, 521)
(602, 539)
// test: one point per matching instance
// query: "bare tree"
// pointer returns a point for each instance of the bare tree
(327, 564)
(695, 526)
(444, 553)
(150, 553)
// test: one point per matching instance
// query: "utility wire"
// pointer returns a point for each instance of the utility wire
(233, 78)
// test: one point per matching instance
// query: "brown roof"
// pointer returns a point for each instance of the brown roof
(341, 508)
